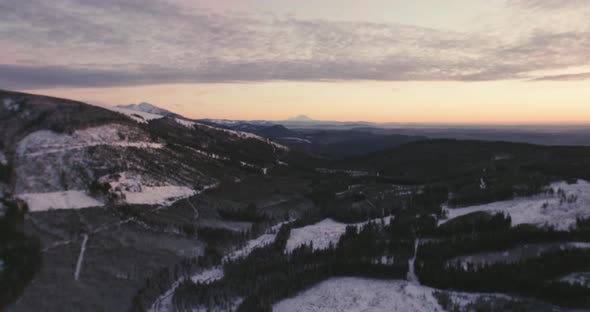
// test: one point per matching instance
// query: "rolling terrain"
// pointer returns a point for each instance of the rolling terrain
(133, 208)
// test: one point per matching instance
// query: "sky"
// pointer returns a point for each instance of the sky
(427, 61)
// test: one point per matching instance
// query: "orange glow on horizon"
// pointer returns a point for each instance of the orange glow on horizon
(498, 102)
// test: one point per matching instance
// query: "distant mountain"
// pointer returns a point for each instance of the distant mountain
(301, 118)
(150, 108)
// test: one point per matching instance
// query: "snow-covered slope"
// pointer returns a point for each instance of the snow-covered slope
(145, 112)
(147, 108)
(352, 294)
(59, 200)
(243, 135)
(557, 208)
(520, 253)
(134, 188)
(261, 241)
(47, 161)
(44, 142)
(164, 302)
(159, 195)
(321, 234)
(580, 278)
(359, 294)
(137, 115)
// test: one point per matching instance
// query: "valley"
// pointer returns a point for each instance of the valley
(135, 208)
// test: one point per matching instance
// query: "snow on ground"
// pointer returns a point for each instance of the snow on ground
(59, 200)
(296, 139)
(164, 302)
(261, 241)
(361, 294)
(187, 123)
(134, 188)
(526, 251)
(244, 135)
(10, 104)
(352, 173)
(46, 142)
(146, 108)
(158, 195)
(206, 154)
(139, 116)
(582, 278)
(80, 258)
(321, 234)
(541, 209)
(208, 276)
(128, 186)
(355, 294)
(412, 277)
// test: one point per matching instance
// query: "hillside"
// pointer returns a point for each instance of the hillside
(131, 185)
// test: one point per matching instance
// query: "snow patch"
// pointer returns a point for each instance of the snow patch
(208, 276)
(137, 115)
(580, 278)
(164, 302)
(352, 173)
(47, 142)
(321, 234)
(132, 188)
(122, 182)
(360, 294)
(261, 241)
(296, 139)
(59, 200)
(482, 184)
(540, 210)
(520, 253)
(412, 277)
(80, 258)
(206, 154)
(10, 104)
(158, 195)
(244, 135)
(187, 123)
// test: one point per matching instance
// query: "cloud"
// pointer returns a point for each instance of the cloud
(551, 4)
(565, 77)
(104, 43)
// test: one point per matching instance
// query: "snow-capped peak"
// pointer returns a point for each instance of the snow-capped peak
(149, 108)
(301, 118)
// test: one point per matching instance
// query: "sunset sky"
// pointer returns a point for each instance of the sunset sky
(451, 61)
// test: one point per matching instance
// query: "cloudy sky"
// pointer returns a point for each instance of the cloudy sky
(479, 61)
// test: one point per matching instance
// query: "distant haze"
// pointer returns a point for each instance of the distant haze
(428, 61)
